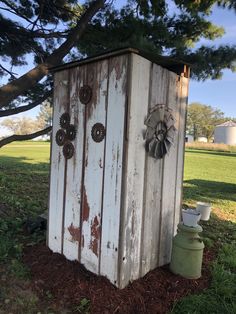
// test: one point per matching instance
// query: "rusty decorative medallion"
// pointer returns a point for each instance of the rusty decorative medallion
(160, 133)
(65, 120)
(63, 137)
(85, 94)
(70, 132)
(60, 137)
(68, 150)
(98, 132)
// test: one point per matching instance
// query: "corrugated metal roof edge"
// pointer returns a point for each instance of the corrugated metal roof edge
(171, 64)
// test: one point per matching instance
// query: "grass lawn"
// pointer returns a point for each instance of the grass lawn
(211, 176)
(24, 175)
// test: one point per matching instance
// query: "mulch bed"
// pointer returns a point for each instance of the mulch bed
(69, 282)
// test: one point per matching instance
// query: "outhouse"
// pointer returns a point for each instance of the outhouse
(117, 162)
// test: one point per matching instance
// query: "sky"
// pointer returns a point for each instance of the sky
(219, 93)
(216, 93)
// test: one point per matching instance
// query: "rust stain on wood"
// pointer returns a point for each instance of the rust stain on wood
(92, 82)
(74, 232)
(95, 235)
(86, 208)
(59, 158)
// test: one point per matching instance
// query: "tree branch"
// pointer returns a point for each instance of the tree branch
(15, 11)
(40, 34)
(25, 137)
(9, 72)
(12, 90)
(9, 112)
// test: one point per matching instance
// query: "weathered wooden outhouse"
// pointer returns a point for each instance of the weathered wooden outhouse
(117, 162)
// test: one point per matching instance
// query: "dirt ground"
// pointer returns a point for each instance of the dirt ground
(71, 285)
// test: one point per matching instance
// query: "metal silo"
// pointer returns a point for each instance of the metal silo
(225, 133)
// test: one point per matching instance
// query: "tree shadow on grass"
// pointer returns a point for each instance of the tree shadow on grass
(24, 185)
(208, 191)
(22, 163)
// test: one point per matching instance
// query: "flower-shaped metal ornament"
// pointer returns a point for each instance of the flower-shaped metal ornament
(160, 133)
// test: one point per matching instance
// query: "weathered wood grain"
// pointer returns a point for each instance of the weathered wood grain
(134, 175)
(72, 232)
(112, 207)
(94, 163)
(183, 95)
(113, 167)
(153, 178)
(56, 203)
(169, 178)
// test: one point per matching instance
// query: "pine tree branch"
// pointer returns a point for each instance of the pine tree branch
(25, 137)
(12, 90)
(9, 112)
(14, 11)
(12, 74)
(40, 34)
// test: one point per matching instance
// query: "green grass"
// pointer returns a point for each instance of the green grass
(24, 173)
(209, 176)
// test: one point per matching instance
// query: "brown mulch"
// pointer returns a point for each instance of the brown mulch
(69, 282)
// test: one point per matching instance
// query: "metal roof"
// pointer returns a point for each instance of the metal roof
(177, 66)
(228, 123)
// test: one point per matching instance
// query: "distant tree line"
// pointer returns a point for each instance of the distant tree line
(26, 125)
(202, 120)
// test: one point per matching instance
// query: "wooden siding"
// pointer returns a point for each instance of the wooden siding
(113, 167)
(93, 171)
(153, 177)
(56, 202)
(183, 95)
(73, 196)
(134, 173)
(169, 178)
(113, 207)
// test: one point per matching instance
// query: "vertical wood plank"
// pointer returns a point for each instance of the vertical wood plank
(153, 178)
(183, 94)
(55, 230)
(134, 176)
(169, 177)
(72, 232)
(113, 167)
(94, 163)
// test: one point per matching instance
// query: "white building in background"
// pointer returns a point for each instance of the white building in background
(202, 139)
(189, 138)
(225, 133)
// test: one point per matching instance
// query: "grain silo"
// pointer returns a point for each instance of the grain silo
(225, 133)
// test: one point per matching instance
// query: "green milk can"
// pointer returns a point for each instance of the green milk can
(187, 252)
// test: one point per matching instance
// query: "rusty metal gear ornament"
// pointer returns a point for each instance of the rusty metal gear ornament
(65, 120)
(85, 94)
(98, 132)
(160, 133)
(71, 132)
(60, 137)
(66, 134)
(68, 150)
